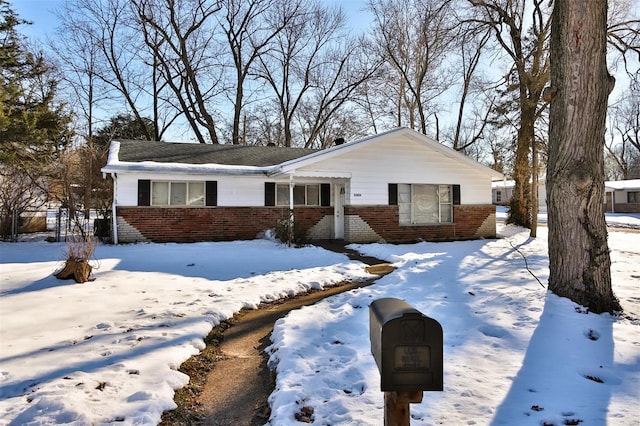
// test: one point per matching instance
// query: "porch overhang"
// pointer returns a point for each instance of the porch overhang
(324, 174)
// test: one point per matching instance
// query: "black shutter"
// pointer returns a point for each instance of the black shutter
(456, 194)
(144, 192)
(269, 193)
(393, 194)
(211, 193)
(325, 194)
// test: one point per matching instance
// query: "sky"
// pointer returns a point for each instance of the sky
(107, 351)
(41, 14)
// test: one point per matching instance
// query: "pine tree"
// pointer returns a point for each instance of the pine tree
(32, 126)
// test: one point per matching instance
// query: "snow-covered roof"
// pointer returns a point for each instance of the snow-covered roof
(622, 185)
(503, 184)
(189, 158)
(245, 159)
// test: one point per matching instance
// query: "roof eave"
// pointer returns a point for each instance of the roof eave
(193, 169)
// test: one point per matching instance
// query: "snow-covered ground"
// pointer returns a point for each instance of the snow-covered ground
(108, 351)
(614, 220)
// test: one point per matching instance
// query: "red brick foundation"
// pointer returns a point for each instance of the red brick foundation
(160, 224)
(211, 224)
(623, 208)
(470, 221)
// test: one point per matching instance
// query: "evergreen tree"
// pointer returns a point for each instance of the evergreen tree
(123, 126)
(33, 128)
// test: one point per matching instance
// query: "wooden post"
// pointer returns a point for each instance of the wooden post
(396, 407)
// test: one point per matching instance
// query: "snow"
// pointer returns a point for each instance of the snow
(108, 351)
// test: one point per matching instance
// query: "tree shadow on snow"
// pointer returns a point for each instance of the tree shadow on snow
(567, 373)
(133, 344)
(42, 284)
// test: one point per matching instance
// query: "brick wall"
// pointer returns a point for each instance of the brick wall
(362, 223)
(180, 224)
(623, 207)
(470, 221)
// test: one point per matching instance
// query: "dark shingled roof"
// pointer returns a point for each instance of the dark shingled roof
(197, 153)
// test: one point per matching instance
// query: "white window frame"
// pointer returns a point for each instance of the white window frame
(284, 189)
(189, 187)
(408, 210)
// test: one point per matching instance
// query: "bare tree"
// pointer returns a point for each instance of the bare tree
(623, 144)
(414, 38)
(579, 262)
(527, 48)
(312, 69)
(19, 192)
(248, 35)
(623, 33)
(470, 129)
(335, 80)
(184, 46)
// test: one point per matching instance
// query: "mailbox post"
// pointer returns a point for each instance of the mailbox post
(407, 347)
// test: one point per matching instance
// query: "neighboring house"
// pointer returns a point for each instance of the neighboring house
(502, 192)
(397, 186)
(622, 196)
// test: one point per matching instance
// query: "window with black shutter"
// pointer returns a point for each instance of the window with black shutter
(269, 194)
(211, 193)
(144, 192)
(325, 194)
(456, 194)
(393, 194)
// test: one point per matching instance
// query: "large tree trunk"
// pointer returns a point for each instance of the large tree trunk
(580, 85)
(519, 208)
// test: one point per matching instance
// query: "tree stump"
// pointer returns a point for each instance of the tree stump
(78, 269)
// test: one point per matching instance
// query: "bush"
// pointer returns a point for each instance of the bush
(284, 234)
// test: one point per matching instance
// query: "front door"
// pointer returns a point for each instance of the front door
(338, 211)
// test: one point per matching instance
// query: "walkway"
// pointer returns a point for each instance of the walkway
(236, 388)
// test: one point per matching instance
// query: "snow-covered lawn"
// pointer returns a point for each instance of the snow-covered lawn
(108, 351)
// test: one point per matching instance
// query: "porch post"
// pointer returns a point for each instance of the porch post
(114, 217)
(291, 216)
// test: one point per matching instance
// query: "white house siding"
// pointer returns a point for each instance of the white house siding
(403, 161)
(233, 191)
(127, 189)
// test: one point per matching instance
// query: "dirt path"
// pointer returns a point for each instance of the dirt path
(230, 380)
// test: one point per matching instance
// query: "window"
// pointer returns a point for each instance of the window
(425, 204)
(177, 193)
(498, 196)
(303, 195)
(633, 197)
